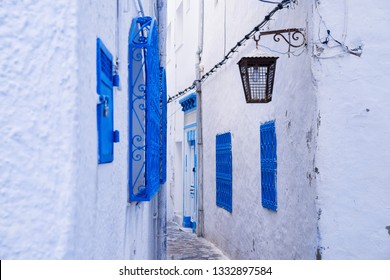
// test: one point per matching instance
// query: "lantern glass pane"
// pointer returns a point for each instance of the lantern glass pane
(258, 82)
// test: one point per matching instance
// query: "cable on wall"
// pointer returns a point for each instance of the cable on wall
(233, 50)
(329, 42)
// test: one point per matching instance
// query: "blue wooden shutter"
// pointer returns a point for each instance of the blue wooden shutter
(268, 165)
(163, 127)
(144, 111)
(105, 108)
(224, 177)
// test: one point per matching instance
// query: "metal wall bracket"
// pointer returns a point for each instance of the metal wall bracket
(294, 37)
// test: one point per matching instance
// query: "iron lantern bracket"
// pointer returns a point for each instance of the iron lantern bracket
(294, 37)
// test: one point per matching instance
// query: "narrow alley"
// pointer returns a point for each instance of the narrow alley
(128, 125)
(183, 244)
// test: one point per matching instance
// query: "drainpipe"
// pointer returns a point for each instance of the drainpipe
(199, 73)
(141, 9)
(161, 249)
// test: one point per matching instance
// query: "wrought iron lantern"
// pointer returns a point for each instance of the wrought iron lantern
(257, 75)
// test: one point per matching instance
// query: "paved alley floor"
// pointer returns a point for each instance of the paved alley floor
(182, 244)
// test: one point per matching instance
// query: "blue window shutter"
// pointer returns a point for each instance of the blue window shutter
(163, 127)
(105, 108)
(224, 165)
(145, 110)
(268, 165)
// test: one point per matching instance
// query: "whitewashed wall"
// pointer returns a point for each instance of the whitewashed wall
(353, 155)
(251, 231)
(38, 117)
(181, 59)
(57, 202)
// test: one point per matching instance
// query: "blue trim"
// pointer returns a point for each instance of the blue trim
(268, 162)
(188, 103)
(190, 110)
(191, 135)
(196, 178)
(193, 226)
(187, 222)
(190, 126)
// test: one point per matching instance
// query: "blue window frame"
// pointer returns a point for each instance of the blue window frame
(145, 110)
(105, 109)
(268, 165)
(224, 186)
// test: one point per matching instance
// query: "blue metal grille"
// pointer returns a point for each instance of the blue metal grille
(163, 127)
(145, 114)
(268, 165)
(224, 170)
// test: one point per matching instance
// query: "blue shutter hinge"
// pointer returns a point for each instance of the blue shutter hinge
(116, 136)
(115, 80)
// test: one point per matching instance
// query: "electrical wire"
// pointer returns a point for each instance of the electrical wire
(329, 38)
(298, 50)
(270, 2)
(233, 50)
(174, 113)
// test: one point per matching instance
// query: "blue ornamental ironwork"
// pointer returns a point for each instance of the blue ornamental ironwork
(268, 165)
(144, 111)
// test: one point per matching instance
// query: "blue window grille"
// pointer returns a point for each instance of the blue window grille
(144, 112)
(105, 109)
(224, 170)
(268, 165)
(163, 127)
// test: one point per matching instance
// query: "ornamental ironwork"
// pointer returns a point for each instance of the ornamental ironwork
(145, 111)
(294, 37)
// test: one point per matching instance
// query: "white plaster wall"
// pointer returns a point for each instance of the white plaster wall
(38, 62)
(354, 132)
(120, 230)
(57, 202)
(251, 231)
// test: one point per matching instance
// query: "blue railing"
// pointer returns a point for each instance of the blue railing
(224, 175)
(268, 165)
(145, 112)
